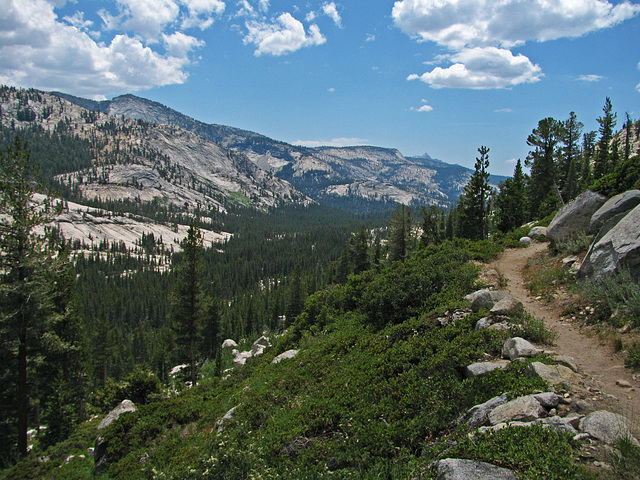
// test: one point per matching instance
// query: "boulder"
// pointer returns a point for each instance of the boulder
(485, 298)
(480, 368)
(484, 322)
(619, 248)
(478, 415)
(517, 347)
(552, 374)
(285, 355)
(607, 427)
(615, 206)
(228, 343)
(547, 399)
(525, 240)
(575, 217)
(507, 306)
(227, 417)
(100, 457)
(460, 469)
(521, 409)
(536, 232)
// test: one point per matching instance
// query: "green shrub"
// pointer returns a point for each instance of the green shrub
(633, 356)
(616, 297)
(573, 244)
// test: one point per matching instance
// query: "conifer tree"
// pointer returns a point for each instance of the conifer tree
(570, 157)
(544, 194)
(511, 202)
(296, 295)
(400, 234)
(604, 154)
(431, 233)
(473, 206)
(188, 301)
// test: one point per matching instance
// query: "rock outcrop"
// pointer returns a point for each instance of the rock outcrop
(575, 217)
(462, 469)
(100, 457)
(613, 208)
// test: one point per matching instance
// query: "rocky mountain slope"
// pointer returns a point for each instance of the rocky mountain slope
(345, 176)
(142, 162)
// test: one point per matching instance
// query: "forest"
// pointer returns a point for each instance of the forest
(81, 332)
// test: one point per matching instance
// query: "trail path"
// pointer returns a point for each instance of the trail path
(596, 359)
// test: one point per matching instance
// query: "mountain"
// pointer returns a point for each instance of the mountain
(135, 161)
(351, 177)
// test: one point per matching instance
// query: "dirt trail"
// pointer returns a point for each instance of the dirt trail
(596, 359)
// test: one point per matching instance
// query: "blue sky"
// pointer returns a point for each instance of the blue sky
(436, 76)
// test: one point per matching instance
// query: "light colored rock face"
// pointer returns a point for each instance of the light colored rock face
(485, 298)
(124, 407)
(536, 232)
(518, 347)
(285, 355)
(620, 204)
(574, 218)
(525, 240)
(620, 247)
(478, 415)
(607, 427)
(480, 368)
(460, 469)
(552, 374)
(508, 306)
(229, 343)
(522, 409)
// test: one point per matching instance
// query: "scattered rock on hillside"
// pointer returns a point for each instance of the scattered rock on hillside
(536, 232)
(523, 409)
(607, 427)
(228, 417)
(507, 306)
(525, 240)
(478, 415)
(460, 469)
(100, 457)
(485, 298)
(229, 343)
(480, 368)
(620, 247)
(615, 206)
(517, 347)
(285, 355)
(574, 218)
(552, 374)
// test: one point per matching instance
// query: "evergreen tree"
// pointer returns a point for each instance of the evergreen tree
(628, 132)
(511, 202)
(32, 306)
(296, 295)
(544, 194)
(359, 247)
(187, 300)
(588, 153)
(604, 155)
(400, 234)
(431, 232)
(570, 157)
(473, 205)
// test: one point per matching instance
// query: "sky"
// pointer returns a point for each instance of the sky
(442, 77)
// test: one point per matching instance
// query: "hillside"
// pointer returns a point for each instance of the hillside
(352, 177)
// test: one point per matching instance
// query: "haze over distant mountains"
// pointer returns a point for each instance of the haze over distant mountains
(356, 178)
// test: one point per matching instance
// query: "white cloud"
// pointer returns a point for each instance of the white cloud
(331, 11)
(590, 78)
(472, 23)
(335, 142)
(331, 90)
(503, 110)
(147, 17)
(39, 50)
(78, 21)
(370, 37)
(482, 68)
(285, 36)
(511, 161)
(473, 26)
(423, 108)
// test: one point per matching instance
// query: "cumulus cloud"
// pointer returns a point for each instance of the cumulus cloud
(423, 108)
(39, 50)
(507, 23)
(331, 11)
(590, 78)
(481, 69)
(335, 142)
(283, 36)
(485, 30)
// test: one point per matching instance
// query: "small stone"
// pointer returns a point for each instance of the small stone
(623, 383)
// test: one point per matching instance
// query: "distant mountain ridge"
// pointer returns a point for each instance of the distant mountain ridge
(356, 178)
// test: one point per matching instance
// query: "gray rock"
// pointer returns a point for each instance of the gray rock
(228, 417)
(485, 298)
(566, 360)
(507, 306)
(552, 374)
(285, 355)
(517, 347)
(607, 427)
(574, 218)
(525, 240)
(100, 457)
(521, 409)
(459, 469)
(229, 343)
(478, 415)
(619, 204)
(620, 247)
(557, 423)
(483, 323)
(547, 399)
(536, 232)
(480, 368)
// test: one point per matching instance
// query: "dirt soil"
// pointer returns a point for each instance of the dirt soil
(602, 368)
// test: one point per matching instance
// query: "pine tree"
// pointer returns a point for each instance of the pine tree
(431, 234)
(603, 156)
(570, 157)
(400, 234)
(588, 152)
(188, 301)
(511, 202)
(29, 308)
(296, 295)
(544, 195)
(473, 206)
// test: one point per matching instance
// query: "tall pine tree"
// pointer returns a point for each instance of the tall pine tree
(473, 207)
(603, 160)
(544, 194)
